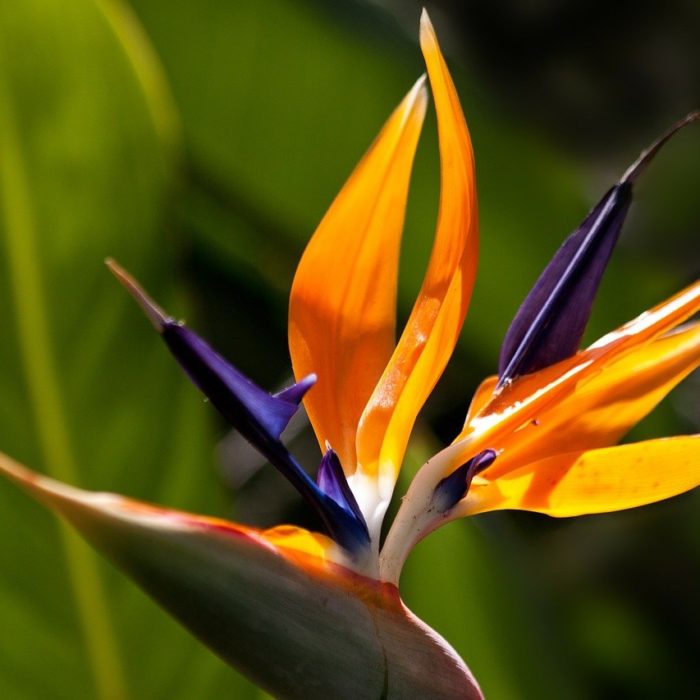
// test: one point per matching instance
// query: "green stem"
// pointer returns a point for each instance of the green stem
(42, 380)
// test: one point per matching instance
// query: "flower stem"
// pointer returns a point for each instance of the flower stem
(42, 379)
(415, 518)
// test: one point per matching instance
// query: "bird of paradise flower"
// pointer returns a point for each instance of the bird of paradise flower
(324, 607)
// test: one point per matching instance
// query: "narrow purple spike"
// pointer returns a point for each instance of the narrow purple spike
(236, 396)
(551, 321)
(453, 488)
(233, 394)
(332, 481)
(295, 393)
(257, 415)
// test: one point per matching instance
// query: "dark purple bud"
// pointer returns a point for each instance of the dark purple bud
(551, 321)
(259, 416)
(453, 488)
(332, 481)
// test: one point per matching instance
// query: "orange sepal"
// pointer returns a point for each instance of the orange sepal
(597, 481)
(342, 308)
(533, 395)
(433, 327)
(605, 407)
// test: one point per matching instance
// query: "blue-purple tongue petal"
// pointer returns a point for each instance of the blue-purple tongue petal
(550, 323)
(331, 480)
(238, 399)
(453, 488)
(295, 393)
(257, 415)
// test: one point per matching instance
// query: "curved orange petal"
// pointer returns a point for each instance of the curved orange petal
(598, 481)
(499, 422)
(482, 396)
(342, 310)
(607, 405)
(431, 332)
(532, 395)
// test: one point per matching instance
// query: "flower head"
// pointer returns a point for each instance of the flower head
(538, 436)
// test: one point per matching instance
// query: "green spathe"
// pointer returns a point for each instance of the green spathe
(299, 632)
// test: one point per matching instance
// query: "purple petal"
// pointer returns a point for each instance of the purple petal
(257, 415)
(295, 393)
(453, 488)
(331, 480)
(550, 323)
(239, 400)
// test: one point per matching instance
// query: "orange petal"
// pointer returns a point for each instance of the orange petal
(482, 396)
(342, 310)
(606, 406)
(290, 539)
(433, 327)
(598, 481)
(533, 395)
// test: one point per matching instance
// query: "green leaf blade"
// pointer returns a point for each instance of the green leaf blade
(294, 625)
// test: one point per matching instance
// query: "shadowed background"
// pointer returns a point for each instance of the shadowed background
(199, 143)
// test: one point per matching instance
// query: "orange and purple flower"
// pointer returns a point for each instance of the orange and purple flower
(309, 614)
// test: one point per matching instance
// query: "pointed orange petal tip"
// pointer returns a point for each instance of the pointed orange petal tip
(416, 101)
(427, 31)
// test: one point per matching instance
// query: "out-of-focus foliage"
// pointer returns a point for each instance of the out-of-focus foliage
(199, 143)
(88, 162)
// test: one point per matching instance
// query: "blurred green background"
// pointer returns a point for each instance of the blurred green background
(199, 143)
